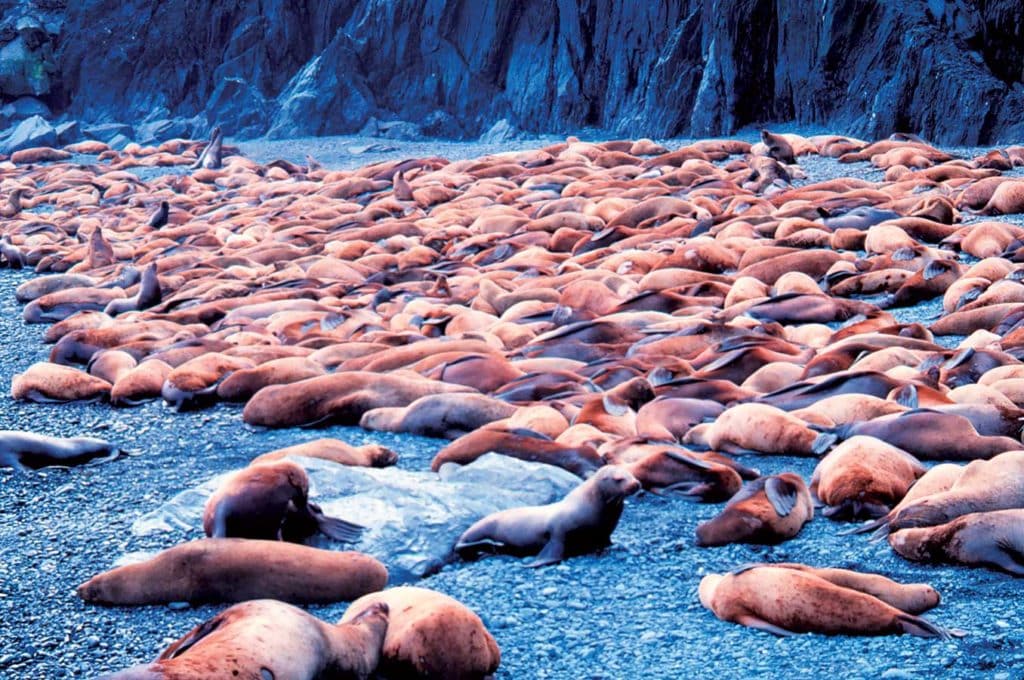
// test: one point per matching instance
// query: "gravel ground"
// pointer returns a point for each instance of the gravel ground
(631, 611)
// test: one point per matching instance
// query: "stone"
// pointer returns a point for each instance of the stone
(23, 107)
(107, 131)
(31, 132)
(502, 131)
(158, 131)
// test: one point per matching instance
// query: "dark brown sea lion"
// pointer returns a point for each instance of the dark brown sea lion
(767, 510)
(266, 639)
(580, 523)
(22, 450)
(784, 601)
(238, 569)
(270, 501)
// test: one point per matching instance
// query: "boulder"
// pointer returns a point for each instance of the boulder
(69, 133)
(23, 107)
(31, 132)
(107, 131)
(412, 518)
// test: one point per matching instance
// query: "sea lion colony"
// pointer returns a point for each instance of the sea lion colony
(585, 305)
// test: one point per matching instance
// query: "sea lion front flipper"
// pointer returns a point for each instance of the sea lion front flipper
(614, 406)
(781, 494)
(760, 624)
(552, 553)
(190, 638)
(689, 461)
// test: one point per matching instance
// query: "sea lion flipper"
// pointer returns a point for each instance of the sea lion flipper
(614, 406)
(823, 442)
(553, 552)
(781, 494)
(915, 625)
(907, 396)
(761, 624)
(336, 528)
(689, 461)
(190, 638)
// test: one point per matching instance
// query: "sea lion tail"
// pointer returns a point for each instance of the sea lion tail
(915, 625)
(869, 526)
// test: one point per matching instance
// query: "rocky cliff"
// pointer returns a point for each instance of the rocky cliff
(949, 70)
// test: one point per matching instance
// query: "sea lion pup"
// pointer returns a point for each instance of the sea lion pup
(582, 460)
(580, 523)
(760, 428)
(28, 450)
(211, 156)
(335, 450)
(268, 639)
(431, 636)
(238, 569)
(779, 147)
(768, 510)
(783, 601)
(270, 501)
(931, 435)
(863, 478)
(44, 382)
(149, 295)
(448, 416)
(160, 215)
(991, 539)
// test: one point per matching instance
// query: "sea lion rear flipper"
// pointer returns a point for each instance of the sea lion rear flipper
(781, 494)
(915, 625)
(190, 638)
(333, 527)
(823, 442)
(761, 624)
(907, 396)
(689, 490)
(552, 553)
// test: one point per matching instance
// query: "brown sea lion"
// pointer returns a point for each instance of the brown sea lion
(270, 501)
(263, 639)
(580, 523)
(341, 397)
(767, 510)
(863, 478)
(671, 419)
(931, 435)
(522, 444)
(784, 601)
(690, 475)
(981, 486)
(142, 383)
(45, 382)
(431, 636)
(238, 569)
(245, 382)
(335, 450)
(439, 415)
(990, 539)
(760, 428)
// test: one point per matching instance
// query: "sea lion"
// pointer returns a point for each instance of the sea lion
(243, 383)
(448, 416)
(581, 460)
(149, 295)
(211, 156)
(580, 523)
(863, 478)
(270, 501)
(981, 486)
(22, 450)
(238, 569)
(159, 217)
(670, 419)
(45, 382)
(768, 510)
(685, 473)
(760, 428)
(142, 383)
(991, 539)
(335, 450)
(431, 636)
(263, 639)
(341, 397)
(931, 435)
(784, 601)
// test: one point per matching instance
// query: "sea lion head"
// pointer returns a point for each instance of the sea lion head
(380, 456)
(706, 591)
(615, 483)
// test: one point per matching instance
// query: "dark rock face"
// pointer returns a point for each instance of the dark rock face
(951, 70)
